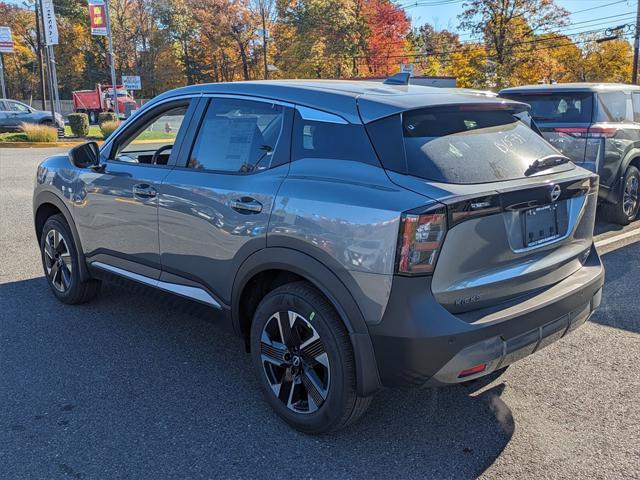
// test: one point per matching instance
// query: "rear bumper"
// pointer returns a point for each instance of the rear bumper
(419, 343)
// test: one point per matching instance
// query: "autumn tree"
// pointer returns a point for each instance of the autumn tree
(508, 28)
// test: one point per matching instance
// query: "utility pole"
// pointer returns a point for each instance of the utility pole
(111, 59)
(40, 60)
(4, 89)
(636, 46)
(263, 13)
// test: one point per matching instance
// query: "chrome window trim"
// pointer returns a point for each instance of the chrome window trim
(194, 293)
(248, 98)
(315, 115)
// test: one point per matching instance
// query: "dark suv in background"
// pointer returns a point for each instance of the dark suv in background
(355, 235)
(598, 127)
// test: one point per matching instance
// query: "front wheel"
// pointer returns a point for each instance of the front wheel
(303, 359)
(61, 263)
(626, 210)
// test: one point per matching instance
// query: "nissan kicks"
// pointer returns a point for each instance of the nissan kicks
(356, 235)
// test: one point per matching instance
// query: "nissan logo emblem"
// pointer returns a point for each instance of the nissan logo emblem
(555, 193)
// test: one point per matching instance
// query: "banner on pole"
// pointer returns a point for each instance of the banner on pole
(131, 82)
(6, 41)
(98, 17)
(49, 21)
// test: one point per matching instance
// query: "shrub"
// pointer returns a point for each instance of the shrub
(106, 117)
(79, 123)
(107, 128)
(40, 133)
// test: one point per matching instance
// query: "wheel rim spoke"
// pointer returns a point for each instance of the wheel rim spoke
(295, 362)
(57, 260)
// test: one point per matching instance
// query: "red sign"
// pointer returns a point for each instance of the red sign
(98, 17)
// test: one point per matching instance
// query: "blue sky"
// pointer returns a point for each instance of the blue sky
(445, 14)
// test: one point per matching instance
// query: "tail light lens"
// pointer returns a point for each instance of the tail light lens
(420, 240)
(592, 132)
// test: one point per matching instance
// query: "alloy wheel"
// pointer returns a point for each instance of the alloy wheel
(295, 362)
(57, 260)
(630, 196)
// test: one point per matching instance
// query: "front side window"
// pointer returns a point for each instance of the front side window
(156, 135)
(237, 136)
(613, 107)
(18, 107)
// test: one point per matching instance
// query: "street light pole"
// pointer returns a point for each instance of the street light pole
(636, 46)
(4, 89)
(113, 68)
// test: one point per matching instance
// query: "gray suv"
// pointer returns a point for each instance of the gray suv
(356, 235)
(13, 114)
(597, 125)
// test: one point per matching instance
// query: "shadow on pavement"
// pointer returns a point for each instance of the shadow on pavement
(126, 387)
(619, 299)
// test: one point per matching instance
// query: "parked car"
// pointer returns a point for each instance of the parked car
(357, 236)
(598, 127)
(13, 114)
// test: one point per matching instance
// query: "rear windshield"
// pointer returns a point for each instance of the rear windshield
(462, 144)
(558, 107)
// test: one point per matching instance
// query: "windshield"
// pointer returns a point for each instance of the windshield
(558, 107)
(467, 145)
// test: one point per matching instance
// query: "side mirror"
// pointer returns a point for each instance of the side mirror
(86, 155)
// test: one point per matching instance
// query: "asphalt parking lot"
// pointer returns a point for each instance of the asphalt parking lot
(128, 387)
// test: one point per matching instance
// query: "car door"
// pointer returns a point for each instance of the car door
(216, 203)
(116, 208)
(3, 116)
(17, 114)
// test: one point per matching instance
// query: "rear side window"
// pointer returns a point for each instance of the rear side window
(614, 107)
(636, 107)
(239, 136)
(331, 141)
(560, 107)
(464, 144)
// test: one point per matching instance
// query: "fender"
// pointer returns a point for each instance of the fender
(329, 284)
(49, 197)
(615, 192)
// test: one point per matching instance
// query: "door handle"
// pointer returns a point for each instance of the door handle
(246, 205)
(144, 190)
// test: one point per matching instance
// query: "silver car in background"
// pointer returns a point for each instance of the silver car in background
(14, 113)
(357, 236)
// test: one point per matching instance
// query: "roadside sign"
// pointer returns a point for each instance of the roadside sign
(131, 82)
(407, 68)
(98, 17)
(49, 22)
(6, 42)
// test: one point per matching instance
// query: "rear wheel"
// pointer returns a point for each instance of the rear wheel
(303, 359)
(61, 263)
(626, 210)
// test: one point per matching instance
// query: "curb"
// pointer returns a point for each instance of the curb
(41, 144)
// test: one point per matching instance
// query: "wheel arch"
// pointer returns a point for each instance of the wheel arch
(300, 266)
(47, 204)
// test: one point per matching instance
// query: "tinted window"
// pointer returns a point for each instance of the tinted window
(561, 107)
(613, 107)
(636, 107)
(237, 136)
(466, 145)
(17, 107)
(326, 140)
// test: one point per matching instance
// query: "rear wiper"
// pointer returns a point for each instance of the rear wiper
(549, 161)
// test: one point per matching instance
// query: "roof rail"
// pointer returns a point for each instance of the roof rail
(398, 79)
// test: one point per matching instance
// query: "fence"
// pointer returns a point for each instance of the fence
(67, 105)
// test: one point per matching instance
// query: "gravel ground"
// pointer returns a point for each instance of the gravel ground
(130, 387)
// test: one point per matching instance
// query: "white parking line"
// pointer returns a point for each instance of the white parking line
(616, 238)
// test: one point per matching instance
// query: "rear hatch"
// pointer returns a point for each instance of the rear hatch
(511, 229)
(565, 119)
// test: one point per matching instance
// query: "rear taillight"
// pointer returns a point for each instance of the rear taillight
(420, 240)
(583, 132)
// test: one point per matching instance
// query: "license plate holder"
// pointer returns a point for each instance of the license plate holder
(540, 225)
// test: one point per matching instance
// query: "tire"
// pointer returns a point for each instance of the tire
(93, 118)
(60, 262)
(626, 210)
(319, 394)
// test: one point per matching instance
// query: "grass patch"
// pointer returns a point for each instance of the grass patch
(40, 133)
(13, 137)
(94, 132)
